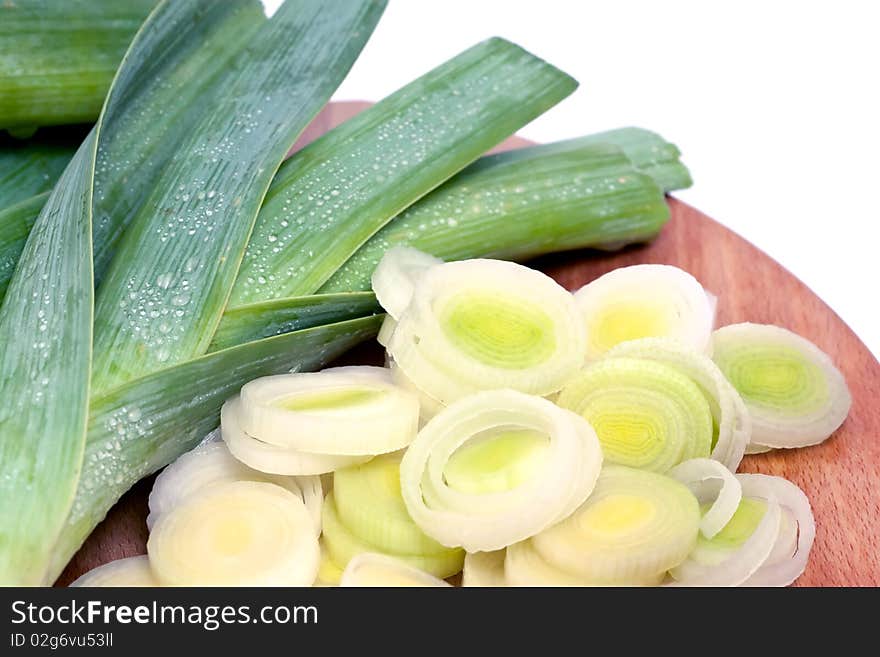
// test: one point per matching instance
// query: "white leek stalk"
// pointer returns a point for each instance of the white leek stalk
(373, 570)
(132, 571)
(794, 393)
(396, 275)
(488, 324)
(271, 458)
(647, 414)
(732, 421)
(211, 463)
(240, 533)
(645, 301)
(634, 526)
(348, 411)
(484, 515)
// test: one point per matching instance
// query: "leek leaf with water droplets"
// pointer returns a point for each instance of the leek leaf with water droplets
(263, 320)
(166, 287)
(333, 195)
(519, 204)
(46, 329)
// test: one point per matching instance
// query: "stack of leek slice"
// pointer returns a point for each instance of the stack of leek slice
(506, 441)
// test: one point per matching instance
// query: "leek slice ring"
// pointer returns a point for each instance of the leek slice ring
(646, 413)
(241, 533)
(272, 459)
(495, 520)
(794, 393)
(634, 526)
(395, 277)
(371, 570)
(693, 474)
(728, 409)
(212, 462)
(347, 411)
(131, 571)
(645, 301)
(488, 324)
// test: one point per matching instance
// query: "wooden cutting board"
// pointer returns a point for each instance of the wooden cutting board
(841, 477)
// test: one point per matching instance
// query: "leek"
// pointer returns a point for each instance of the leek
(343, 546)
(380, 570)
(645, 301)
(131, 571)
(57, 58)
(646, 414)
(270, 458)
(519, 204)
(636, 525)
(794, 393)
(15, 226)
(263, 320)
(483, 569)
(349, 411)
(732, 423)
(160, 306)
(487, 324)
(481, 518)
(239, 533)
(211, 463)
(31, 167)
(350, 182)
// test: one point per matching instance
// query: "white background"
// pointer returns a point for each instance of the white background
(774, 104)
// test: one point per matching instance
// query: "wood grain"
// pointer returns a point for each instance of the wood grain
(841, 476)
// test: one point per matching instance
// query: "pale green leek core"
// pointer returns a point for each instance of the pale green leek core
(329, 400)
(498, 461)
(510, 334)
(794, 393)
(742, 525)
(646, 414)
(634, 526)
(487, 324)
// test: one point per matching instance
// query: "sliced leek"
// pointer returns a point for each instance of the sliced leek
(131, 571)
(368, 569)
(487, 324)
(369, 503)
(699, 475)
(737, 551)
(733, 426)
(495, 518)
(211, 463)
(524, 566)
(272, 459)
(789, 557)
(646, 414)
(240, 533)
(428, 406)
(645, 301)
(634, 526)
(348, 412)
(329, 573)
(795, 395)
(343, 545)
(482, 569)
(395, 276)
